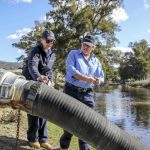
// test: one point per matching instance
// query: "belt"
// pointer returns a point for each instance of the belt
(79, 89)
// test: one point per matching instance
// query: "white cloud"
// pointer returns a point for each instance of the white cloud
(20, 51)
(19, 1)
(43, 18)
(47, 19)
(148, 30)
(122, 49)
(23, 1)
(146, 4)
(80, 3)
(119, 14)
(19, 33)
(12, 36)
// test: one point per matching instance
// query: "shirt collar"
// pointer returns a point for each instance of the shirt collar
(49, 52)
(80, 52)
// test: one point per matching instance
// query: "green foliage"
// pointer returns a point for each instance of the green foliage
(69, 20)
(136, 65)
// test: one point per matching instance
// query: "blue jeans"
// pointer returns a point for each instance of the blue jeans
(87, 99)
(37, 131)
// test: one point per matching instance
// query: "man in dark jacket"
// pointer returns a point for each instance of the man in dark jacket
(39, 68)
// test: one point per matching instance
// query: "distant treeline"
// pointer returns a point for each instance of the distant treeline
(9, 65)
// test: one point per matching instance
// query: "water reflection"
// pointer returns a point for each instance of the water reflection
(129, 108)
(136, 93)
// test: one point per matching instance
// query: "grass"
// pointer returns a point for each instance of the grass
(54, 133)
(142, 83)
(8, 129)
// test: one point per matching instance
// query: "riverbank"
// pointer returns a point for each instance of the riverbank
(141, 83)
(8, 132)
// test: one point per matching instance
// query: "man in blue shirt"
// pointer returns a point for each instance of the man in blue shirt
(83, 72)
(39, 68)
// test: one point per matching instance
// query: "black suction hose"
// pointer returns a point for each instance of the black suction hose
(78, 119)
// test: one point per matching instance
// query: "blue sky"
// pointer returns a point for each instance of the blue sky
(18, 16)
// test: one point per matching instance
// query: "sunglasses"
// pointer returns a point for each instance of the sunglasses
(49, 41)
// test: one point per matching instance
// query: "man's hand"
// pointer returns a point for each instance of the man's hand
(97, 81)
(87, 79)
(49, 83)
(43, 79)
(90, 80)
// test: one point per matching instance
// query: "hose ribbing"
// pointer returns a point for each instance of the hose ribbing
(82, 121)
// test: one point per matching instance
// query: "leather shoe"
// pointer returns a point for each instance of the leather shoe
(34, 145)
(46, 146)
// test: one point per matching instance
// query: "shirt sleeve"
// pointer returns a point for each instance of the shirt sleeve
(70, 64)
(33, 61)
(99, 73)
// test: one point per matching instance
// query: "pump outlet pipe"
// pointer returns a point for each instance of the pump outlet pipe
(38, 99)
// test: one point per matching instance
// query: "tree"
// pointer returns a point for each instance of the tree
(70, 20)
(136, 64)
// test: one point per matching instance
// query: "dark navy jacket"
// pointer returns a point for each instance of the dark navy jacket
(39, 63)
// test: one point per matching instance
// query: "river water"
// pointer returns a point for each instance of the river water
(128, 108)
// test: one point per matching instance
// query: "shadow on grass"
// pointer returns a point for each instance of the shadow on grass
(9, 143)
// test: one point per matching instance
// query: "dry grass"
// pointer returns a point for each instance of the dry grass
(8, 131)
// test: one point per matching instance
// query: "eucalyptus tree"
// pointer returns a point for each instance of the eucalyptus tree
(136, 64)
(70, 20)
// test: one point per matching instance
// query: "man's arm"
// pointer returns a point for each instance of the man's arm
(33, 61)
(85, 78)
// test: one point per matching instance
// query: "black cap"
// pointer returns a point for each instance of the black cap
(48, 35)
(89, 40)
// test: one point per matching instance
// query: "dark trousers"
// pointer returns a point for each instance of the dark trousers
(37, 131)
(87, 99)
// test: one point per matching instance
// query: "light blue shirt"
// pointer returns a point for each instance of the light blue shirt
(76, 63)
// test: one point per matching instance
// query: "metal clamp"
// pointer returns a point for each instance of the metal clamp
(4, 93)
